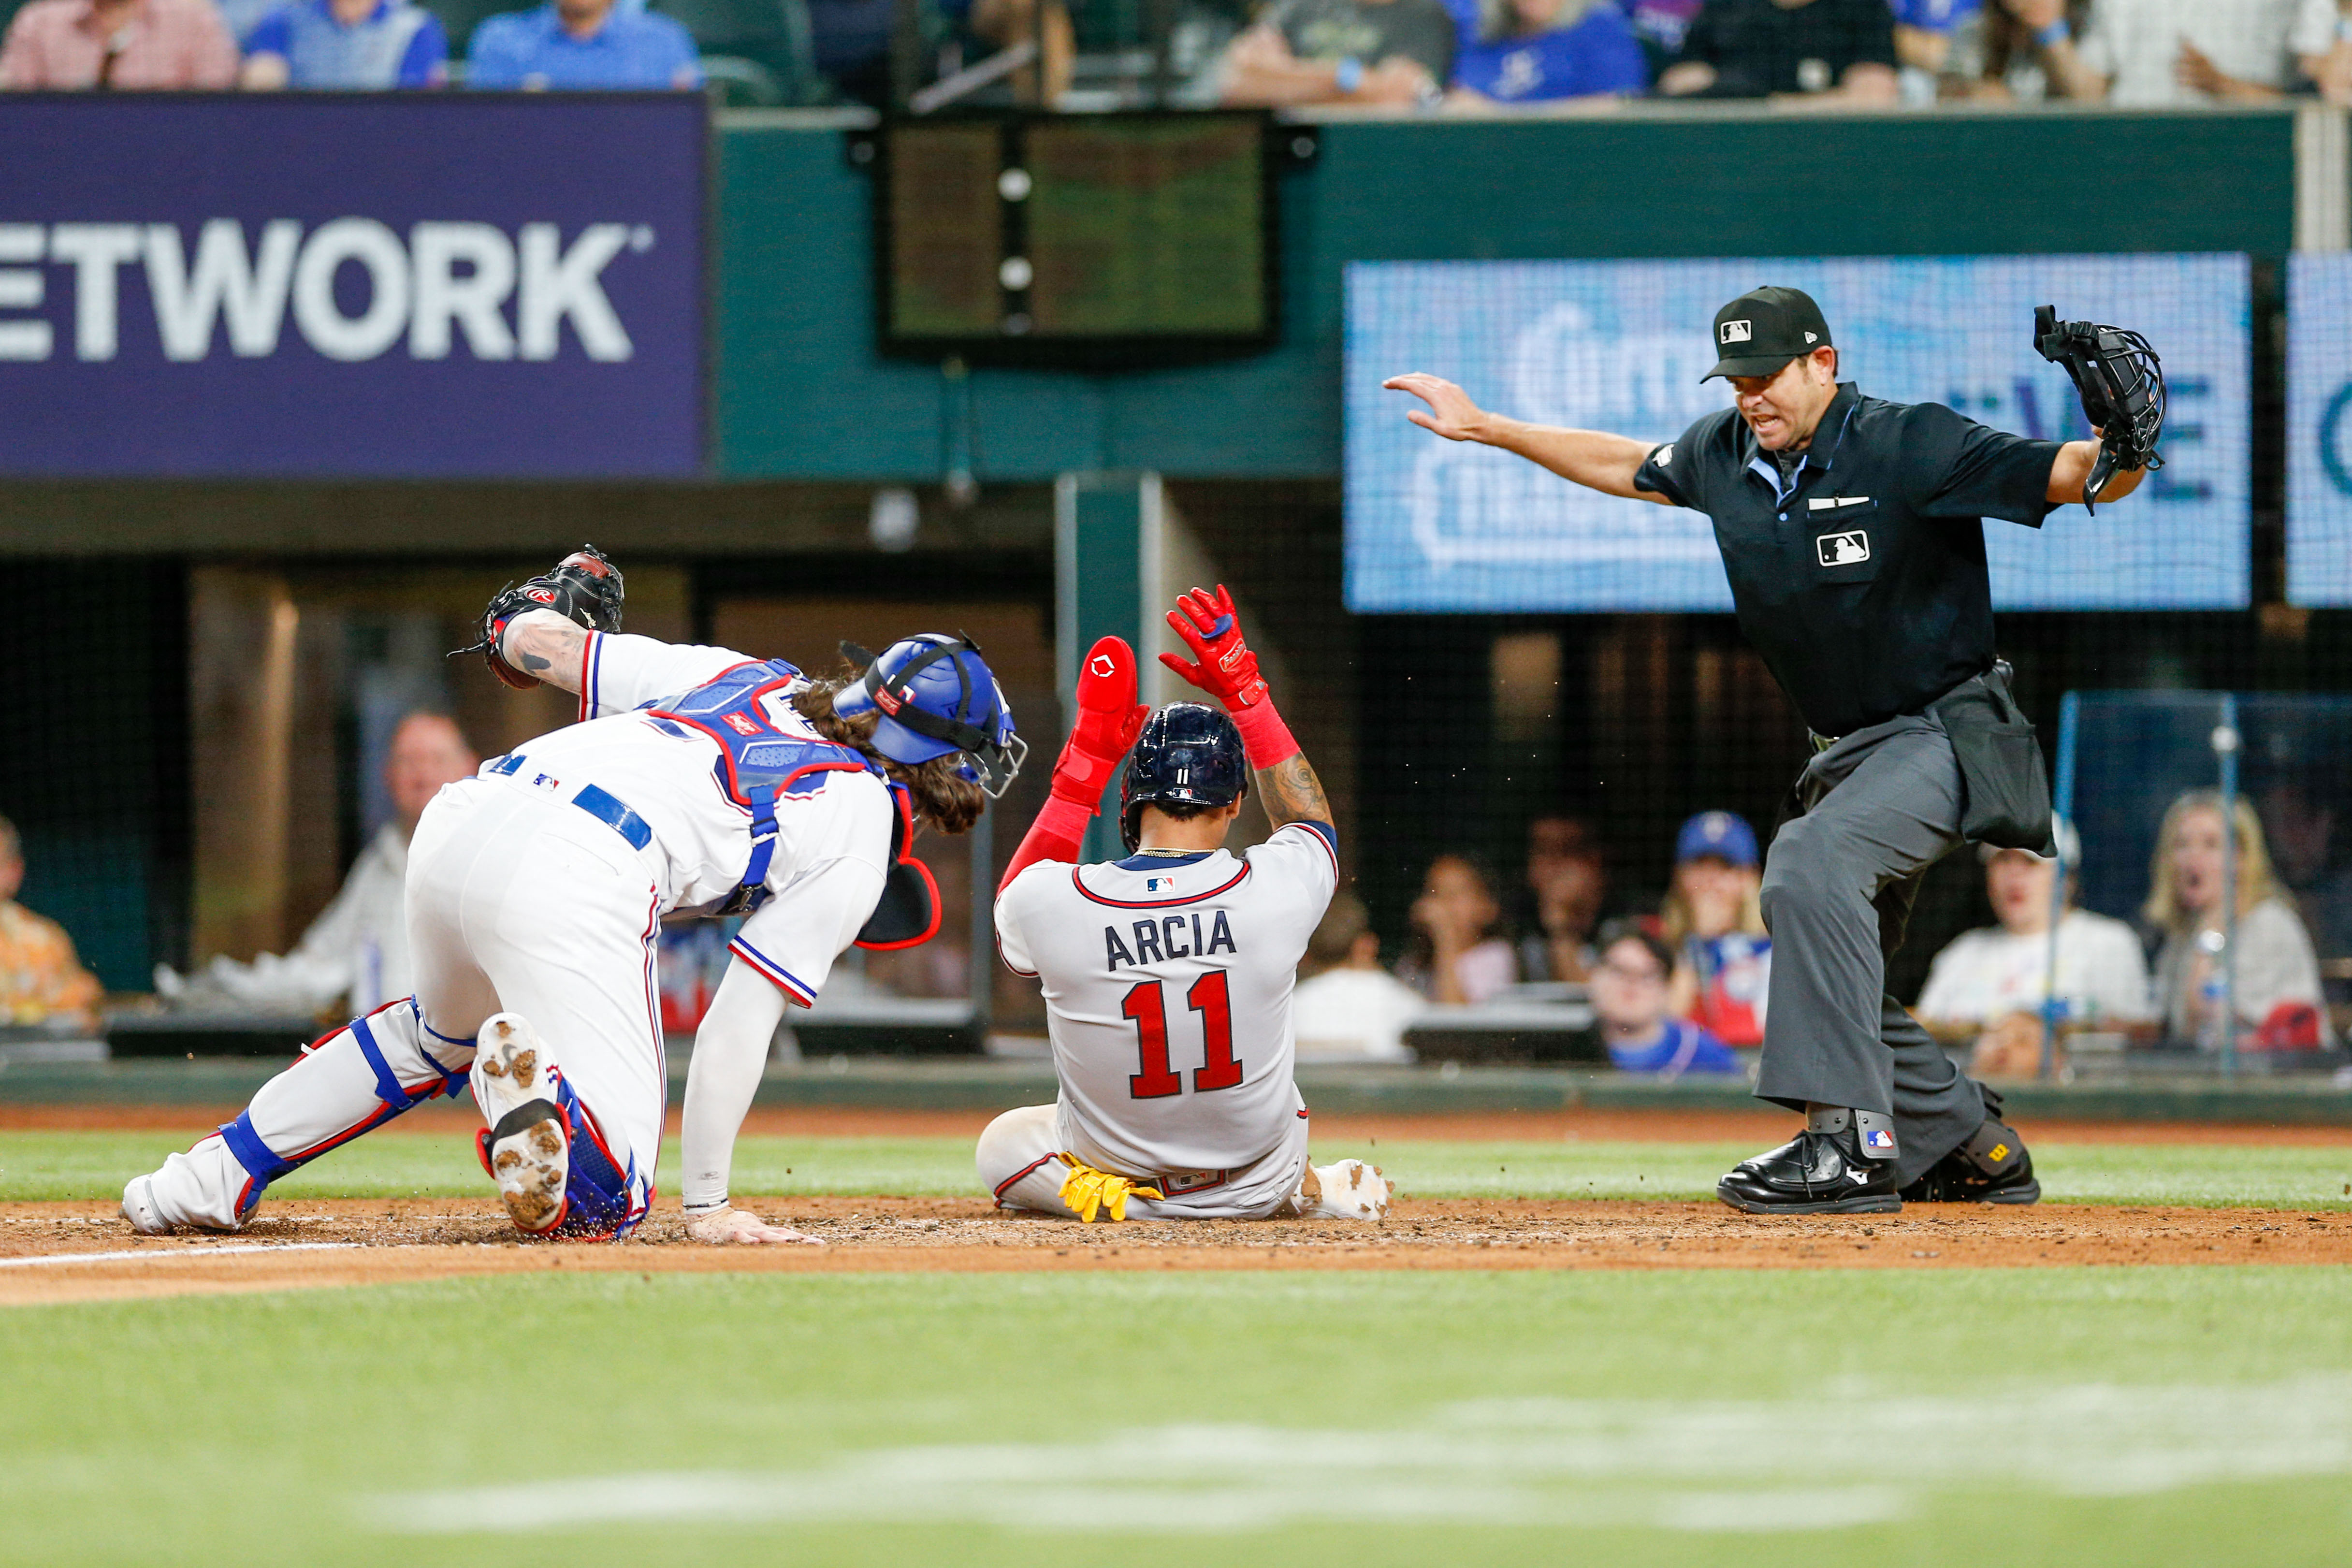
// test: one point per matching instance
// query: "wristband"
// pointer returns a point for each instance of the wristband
(2056, 34)
(1264, 736)
(1348, 74)
(1082, 787)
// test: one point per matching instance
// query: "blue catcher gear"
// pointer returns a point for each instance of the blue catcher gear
(767, 753)
(934, 694)
(1188, 755)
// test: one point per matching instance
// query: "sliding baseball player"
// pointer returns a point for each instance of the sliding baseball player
(1168, 975)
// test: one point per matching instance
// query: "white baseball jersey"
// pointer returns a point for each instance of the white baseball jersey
(539, 888)
(1167, 982)
(833, 829)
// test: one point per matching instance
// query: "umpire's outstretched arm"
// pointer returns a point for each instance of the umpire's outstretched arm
(1593, 458)
(1608, 463)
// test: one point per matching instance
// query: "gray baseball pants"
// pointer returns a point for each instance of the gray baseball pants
(1878, 807)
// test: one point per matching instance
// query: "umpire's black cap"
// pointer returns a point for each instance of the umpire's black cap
(1764, 329)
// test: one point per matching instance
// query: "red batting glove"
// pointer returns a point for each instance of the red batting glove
(1228, 672)
(1109, 718)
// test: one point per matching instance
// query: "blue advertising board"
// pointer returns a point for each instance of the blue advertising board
(393, 286)
(1434, 525)
(2319, 431)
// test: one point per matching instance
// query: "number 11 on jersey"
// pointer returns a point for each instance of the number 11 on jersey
(1147, 1005)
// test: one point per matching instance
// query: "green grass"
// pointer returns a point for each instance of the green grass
(2069, 1416)
(96, 1165)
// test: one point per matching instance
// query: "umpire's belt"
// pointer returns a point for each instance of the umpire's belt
(603, 806)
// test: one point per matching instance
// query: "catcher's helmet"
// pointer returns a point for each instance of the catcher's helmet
(934, 694)
(1188, 755)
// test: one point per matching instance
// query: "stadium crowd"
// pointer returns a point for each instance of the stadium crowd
(1475, 57)
(1679, 985)
(1675, 985)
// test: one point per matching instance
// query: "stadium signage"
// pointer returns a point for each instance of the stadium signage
(2319, 431)
(447, 282)
(399, 288)
(1621, 346)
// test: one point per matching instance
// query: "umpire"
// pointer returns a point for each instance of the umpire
(1850, 531)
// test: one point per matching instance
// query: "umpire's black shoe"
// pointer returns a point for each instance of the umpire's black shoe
(1991, 1167)
(1814, 1173)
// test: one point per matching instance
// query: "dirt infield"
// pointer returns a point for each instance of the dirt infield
(82, 1251)
(58, 1252)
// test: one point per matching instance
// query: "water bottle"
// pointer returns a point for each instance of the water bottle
(2213, 1016)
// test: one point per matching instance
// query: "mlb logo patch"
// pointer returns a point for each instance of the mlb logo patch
(1738, 332)
(1154, 884)
(546, 782)
(1879, 1138)
(1843, 548)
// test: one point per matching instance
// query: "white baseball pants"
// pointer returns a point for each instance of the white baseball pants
(518, 901)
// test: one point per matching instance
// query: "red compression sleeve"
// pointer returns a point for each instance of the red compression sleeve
(1061, 825)
(1264, 736)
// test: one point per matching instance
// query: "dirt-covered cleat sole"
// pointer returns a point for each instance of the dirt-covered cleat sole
(527, 1151)
(1350, 1190)
(139, 1207)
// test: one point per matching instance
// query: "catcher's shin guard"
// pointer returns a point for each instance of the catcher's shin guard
(555, 1172)
(346, 1083)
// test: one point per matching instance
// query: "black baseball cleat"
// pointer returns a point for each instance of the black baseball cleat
(1991, 1167)
(1814, 1173)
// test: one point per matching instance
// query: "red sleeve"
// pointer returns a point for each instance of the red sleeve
(1060, 826)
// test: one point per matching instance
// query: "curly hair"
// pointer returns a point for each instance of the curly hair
(949, 803)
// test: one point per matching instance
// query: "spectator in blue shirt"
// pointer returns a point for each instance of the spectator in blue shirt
(1548, 51)
(1661, 24)
(1628, 999)
(1923, 41)
(592, 44)
(360, 45)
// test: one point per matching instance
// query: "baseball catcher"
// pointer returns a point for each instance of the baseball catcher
(702, 781)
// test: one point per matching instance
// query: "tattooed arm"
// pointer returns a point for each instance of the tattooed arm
(1292, 792)
(547, 646)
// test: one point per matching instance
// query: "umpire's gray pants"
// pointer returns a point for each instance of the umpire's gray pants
(1879, 808)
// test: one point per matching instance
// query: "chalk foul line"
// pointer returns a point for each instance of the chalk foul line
(160, 1254)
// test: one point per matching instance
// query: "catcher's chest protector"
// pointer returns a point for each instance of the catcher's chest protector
(766, 750)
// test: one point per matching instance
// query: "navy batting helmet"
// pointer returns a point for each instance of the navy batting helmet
(1188, 755)
(934, 694)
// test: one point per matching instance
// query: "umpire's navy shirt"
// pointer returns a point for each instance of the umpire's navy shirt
(1863, 584)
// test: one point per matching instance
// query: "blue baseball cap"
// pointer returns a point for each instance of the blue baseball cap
(1717, 833)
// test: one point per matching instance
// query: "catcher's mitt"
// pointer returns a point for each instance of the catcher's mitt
(585, 588)
(2122, 383)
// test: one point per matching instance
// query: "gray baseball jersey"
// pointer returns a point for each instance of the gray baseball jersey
(1168, 982)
